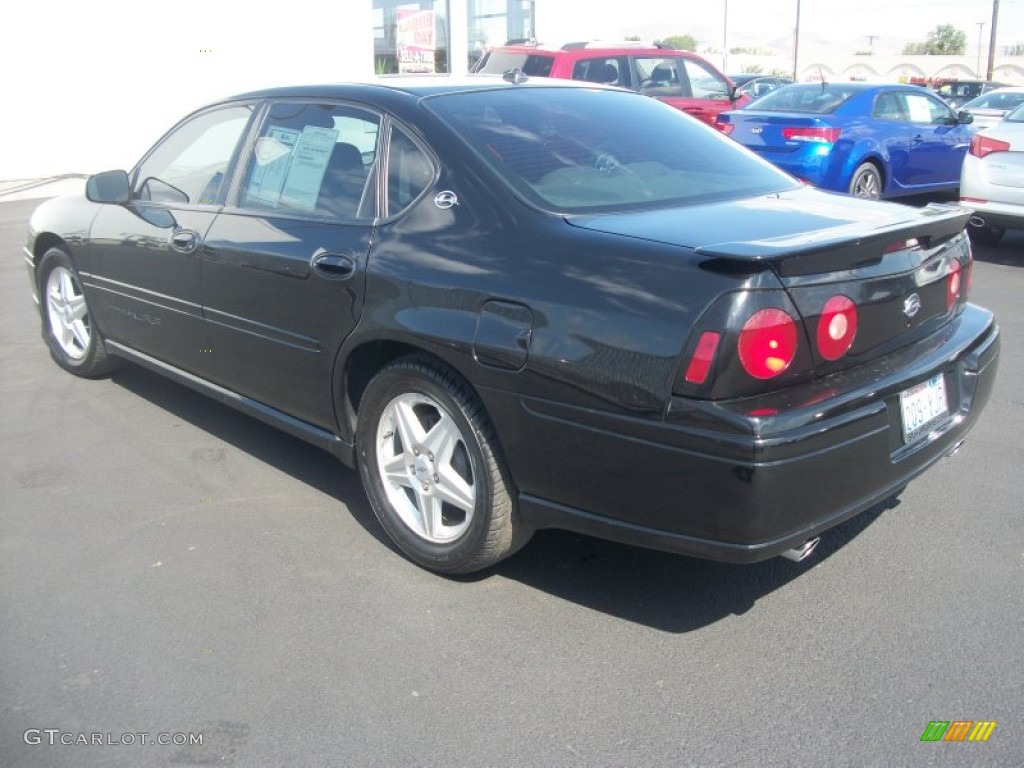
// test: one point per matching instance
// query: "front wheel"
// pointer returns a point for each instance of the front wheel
(430, 464)
(866, 182)
(68, 326)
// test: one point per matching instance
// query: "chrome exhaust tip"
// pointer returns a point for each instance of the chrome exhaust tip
(803, 551)
(976, 221)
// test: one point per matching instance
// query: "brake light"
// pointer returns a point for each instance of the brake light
(837, 327)
(985, 145)
(767, 344)
(953, 284)
(703, 356)
(812, 134)
(726, 128)
(970, 271)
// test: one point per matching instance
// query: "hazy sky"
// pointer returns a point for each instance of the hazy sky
(826, 19)
(90, 84)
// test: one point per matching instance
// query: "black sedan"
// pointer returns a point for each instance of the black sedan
(520, 304)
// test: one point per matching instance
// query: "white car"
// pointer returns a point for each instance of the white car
(992, 179)
(992, 106)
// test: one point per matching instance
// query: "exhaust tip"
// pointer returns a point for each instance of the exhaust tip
(976, 221)
(803, 551)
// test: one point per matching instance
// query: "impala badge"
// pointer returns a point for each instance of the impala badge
(911, 305)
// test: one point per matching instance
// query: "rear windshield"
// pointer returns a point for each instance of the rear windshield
(1017, 116)
(997, 100)
(532, 64)
(580, 150)
(812, 98)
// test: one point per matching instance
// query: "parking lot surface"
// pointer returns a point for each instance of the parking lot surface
(170, 567)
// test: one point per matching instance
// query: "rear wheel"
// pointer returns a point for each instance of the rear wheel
(986, 235)
(68, 327)
(866, 182)
(429, 462)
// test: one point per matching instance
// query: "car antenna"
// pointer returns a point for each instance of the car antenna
(514, 75)
(821, 76)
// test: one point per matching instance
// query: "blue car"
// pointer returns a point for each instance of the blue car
(864, 139)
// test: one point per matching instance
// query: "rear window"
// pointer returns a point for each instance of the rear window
(1017, 116)
(580, 150)
(811, 98)
(532, 64)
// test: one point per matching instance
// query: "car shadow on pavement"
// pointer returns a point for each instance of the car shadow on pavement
(1009, 252)
(668, 592)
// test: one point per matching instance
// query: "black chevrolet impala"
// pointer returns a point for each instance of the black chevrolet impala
(522, 304)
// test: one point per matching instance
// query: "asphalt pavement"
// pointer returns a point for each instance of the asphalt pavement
(172, 568)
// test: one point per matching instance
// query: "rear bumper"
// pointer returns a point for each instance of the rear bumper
(713, 481)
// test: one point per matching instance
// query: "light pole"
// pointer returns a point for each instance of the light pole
(725, 38)
(796, 42)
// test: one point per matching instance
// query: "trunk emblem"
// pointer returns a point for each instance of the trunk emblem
(756, 130)
(911, 305)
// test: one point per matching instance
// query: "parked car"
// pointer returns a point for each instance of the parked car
(681, 79)
(993, 106)
(756, 86)
(519, 305)
(958, 92)
(867, 140)
(992, 182)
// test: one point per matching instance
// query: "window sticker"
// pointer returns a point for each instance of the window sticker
(309, 162)
(920, 112)
(273, 153)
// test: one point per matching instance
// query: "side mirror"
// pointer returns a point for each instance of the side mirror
(108, 187)
(964, 117)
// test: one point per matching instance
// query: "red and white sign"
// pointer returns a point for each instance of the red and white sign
(416, 41)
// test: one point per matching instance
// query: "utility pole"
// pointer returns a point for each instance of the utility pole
(725, 38)
(796, 42)
(992, 41)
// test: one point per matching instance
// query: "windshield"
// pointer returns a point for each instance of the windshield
(814, 98)
(580, 150)
(997, 100)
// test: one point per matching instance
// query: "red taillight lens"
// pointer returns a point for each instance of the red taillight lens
(703, 356)
(953, 284)
(984, 145)
(970, 272)
(767, 343)
(837, 327)
(822, 135)
(726, 128)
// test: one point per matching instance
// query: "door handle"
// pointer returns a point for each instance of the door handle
(334, 266)
(918, 139)
(185, 240)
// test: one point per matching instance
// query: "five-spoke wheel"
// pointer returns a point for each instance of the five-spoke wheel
(432, 469)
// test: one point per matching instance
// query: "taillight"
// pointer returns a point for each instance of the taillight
(953, 283)
(970, 271)
(703, 356)
(985, 145)
(837, 327)
(768, 342)
(726, 128)
(812, 134)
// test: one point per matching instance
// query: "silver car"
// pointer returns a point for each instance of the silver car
(989, 108)
(992, 179)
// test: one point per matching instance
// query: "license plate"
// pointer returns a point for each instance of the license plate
(923, 407)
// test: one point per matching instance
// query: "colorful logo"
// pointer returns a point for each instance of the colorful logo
(958, 730)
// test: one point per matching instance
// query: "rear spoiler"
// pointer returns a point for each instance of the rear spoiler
(845, 247)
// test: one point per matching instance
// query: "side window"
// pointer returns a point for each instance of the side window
(922, 108)
(313, 159)
(888, 106)
(188, 166)
(608, 71)
(659, 77)
(705, 83)
(410, 171)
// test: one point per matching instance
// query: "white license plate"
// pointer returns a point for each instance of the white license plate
(923, 407)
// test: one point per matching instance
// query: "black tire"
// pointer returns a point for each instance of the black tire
(866, 182)
(986, 235)
(427, 403)
(68, 327)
